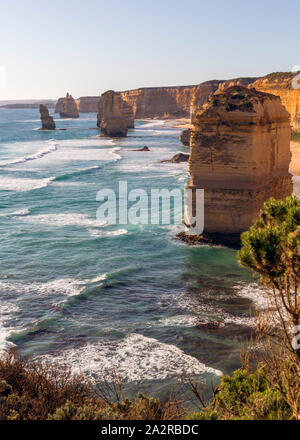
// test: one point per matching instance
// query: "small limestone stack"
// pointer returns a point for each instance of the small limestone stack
(69, 109)
(47, 120)
(113, 122)
(240, 155)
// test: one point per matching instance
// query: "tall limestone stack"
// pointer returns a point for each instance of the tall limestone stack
(113, 122)
(240, 155)
(69, 109)
(125, 109)
(286, 85)
(47, 120)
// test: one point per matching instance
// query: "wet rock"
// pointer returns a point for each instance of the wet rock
(178, 158)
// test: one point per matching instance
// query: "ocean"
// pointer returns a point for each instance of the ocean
(131, 300)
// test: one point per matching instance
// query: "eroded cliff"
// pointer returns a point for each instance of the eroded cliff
(280, 84)
(240, 155)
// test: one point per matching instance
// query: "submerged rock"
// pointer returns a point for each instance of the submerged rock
(47, 120)
(143, 149)
(180, 157)
(113, 122)
(69, 108)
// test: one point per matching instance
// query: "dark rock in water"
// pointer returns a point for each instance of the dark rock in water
(47, 120)
(69, 109)
(210, 326)
(229, 240)
(185, 137)
(143, 149)
(113, 121)
(180, 157)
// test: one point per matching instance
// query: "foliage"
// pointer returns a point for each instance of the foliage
(39, 391)
(295, 137)
(244, 396)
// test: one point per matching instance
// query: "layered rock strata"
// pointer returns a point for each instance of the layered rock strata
(69, 109)
(88, 104)
(113, 122)
(125, 110)
(47, 120)
(286, 85)
(240, 155)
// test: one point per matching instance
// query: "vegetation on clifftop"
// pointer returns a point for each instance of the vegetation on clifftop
(295, 137)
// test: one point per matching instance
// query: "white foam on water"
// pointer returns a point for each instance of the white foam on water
(151, 124)
(135, 358)
(6, 311)
(97, 233)
(21, 185)
(204, 311)
(21, 213)
(61, 286)
(60, 220)
(51, 146)
(257, 294)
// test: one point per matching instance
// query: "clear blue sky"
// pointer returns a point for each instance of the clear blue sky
(85, 47)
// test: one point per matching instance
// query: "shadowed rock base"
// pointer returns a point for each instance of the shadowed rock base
(229, 240)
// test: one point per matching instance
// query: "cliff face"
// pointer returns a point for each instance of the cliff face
(47, 120)
(113, 122)
(88, 104)
(69, 109)
(159, 102)
(59, 105)
(240, 155)
(280, 84)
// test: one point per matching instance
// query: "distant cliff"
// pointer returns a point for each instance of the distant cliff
(88, 104)
(280, 84)
(160, 102)
(185, 101)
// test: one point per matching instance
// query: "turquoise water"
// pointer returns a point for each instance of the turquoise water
(125, 298)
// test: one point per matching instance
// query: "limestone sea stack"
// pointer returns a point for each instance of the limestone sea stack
(240, 155)
(113, 122)
(69, 109)
(125, 109)
(47, 120)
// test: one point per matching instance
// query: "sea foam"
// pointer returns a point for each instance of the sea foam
(135, 358)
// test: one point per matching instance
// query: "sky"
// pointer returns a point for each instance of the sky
(87, 47)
